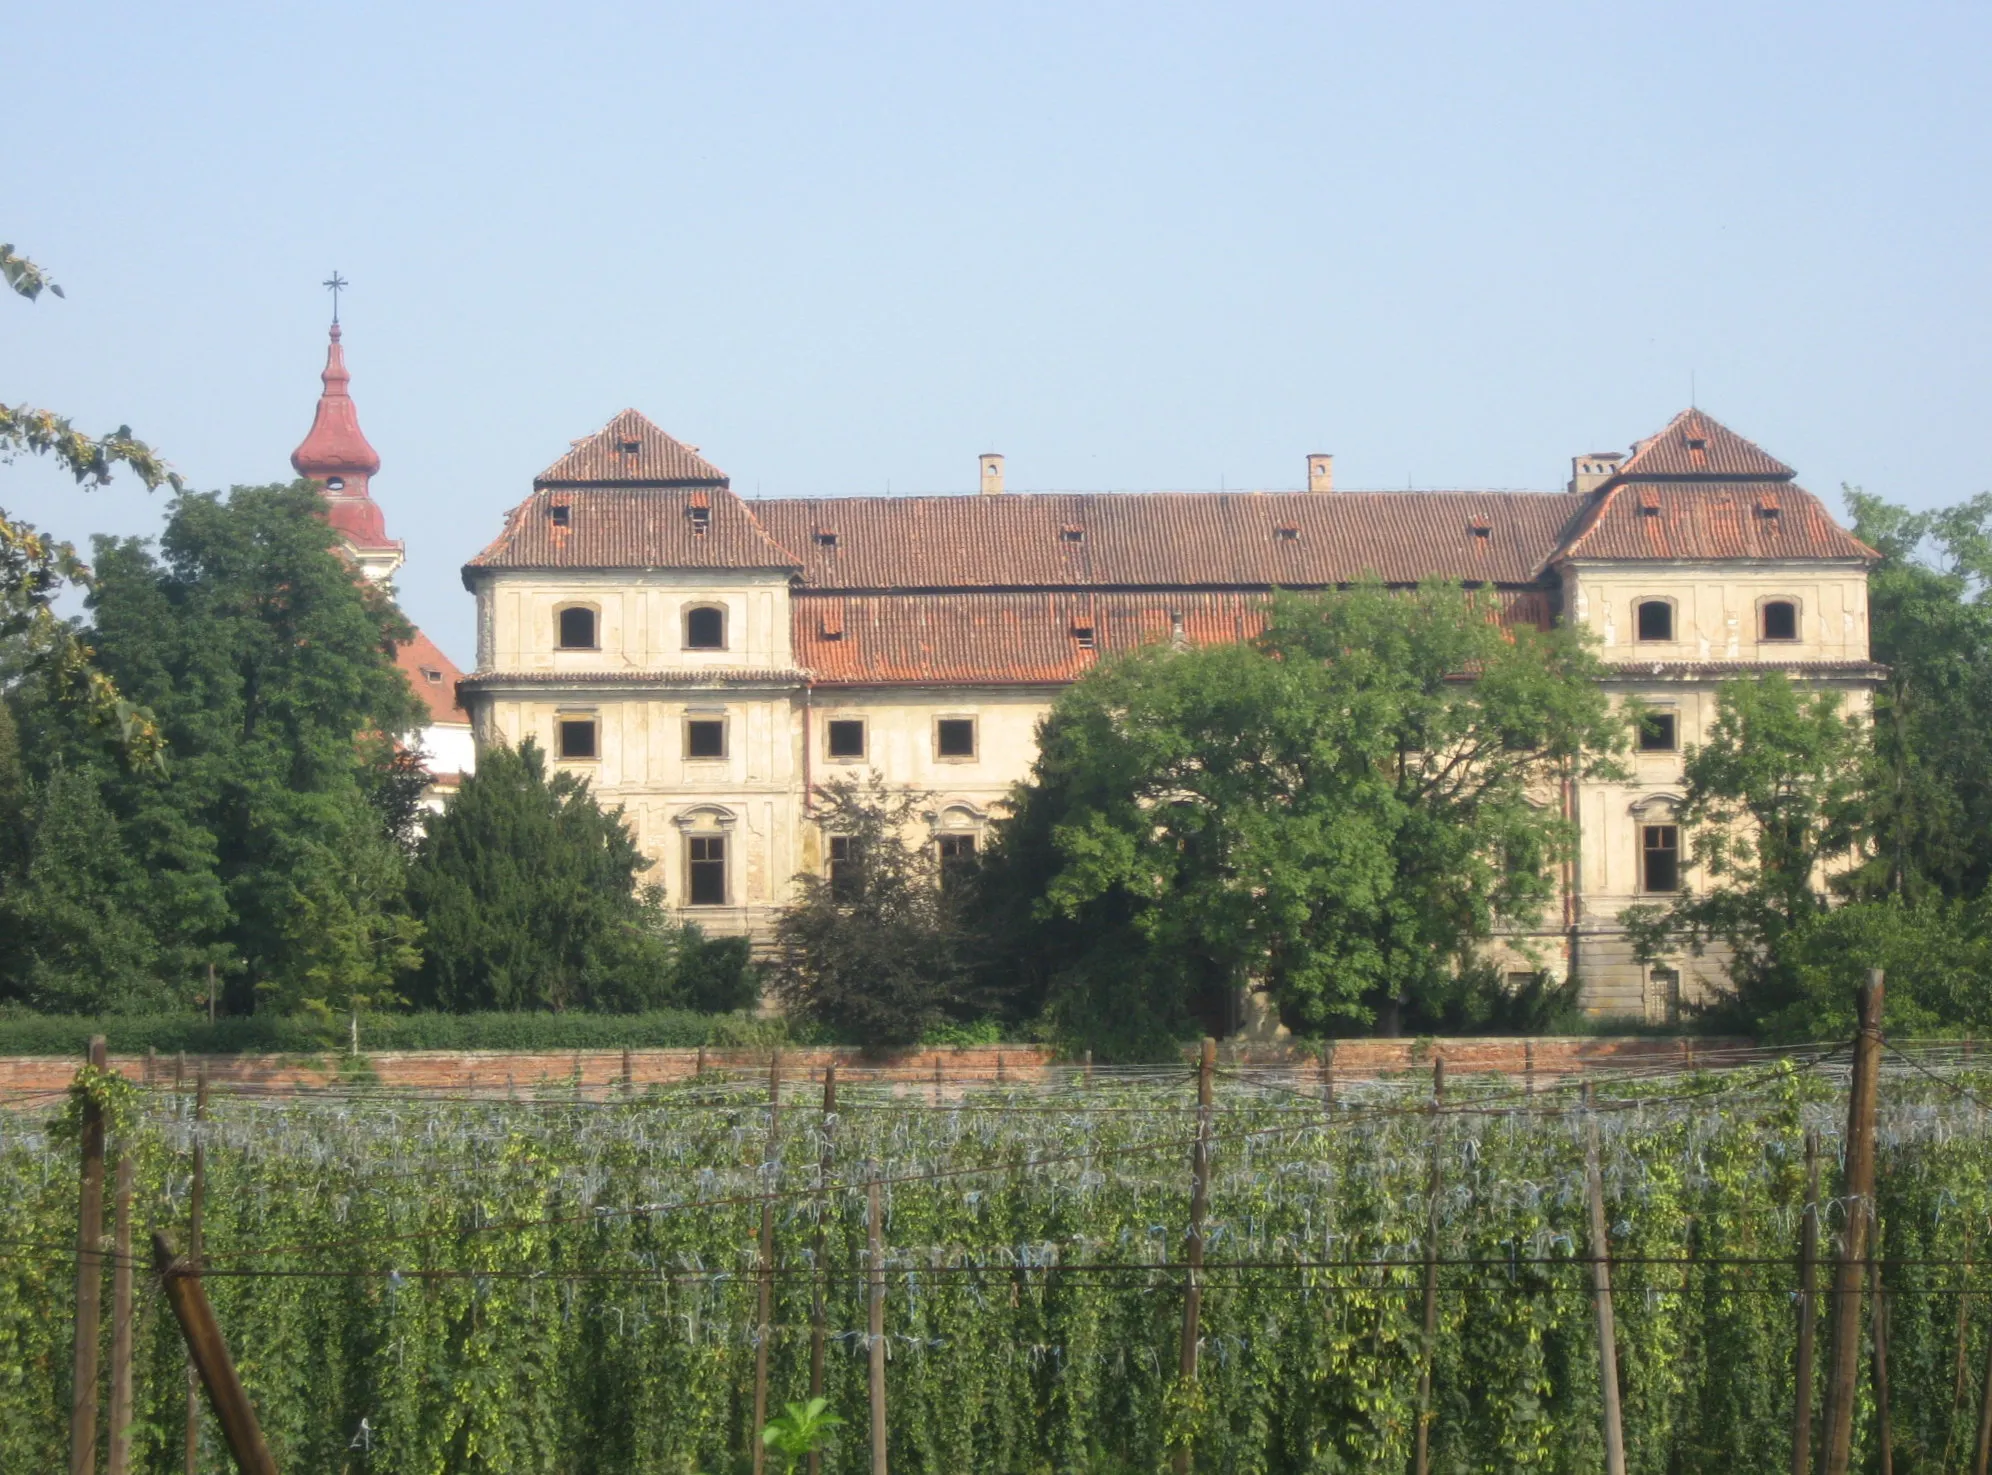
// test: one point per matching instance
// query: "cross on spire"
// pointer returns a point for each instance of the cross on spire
(334, 283)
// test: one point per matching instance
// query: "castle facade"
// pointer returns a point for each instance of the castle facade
(706, 660)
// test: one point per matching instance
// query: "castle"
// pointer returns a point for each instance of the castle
(707, 660)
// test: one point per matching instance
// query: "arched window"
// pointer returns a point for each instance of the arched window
(577, 628)
(705, 628)
(1653, 619)
(1780, 619)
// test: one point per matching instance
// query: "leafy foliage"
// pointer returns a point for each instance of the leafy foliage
(257, 849)
(544, 1286)
(1343, 811)
(800, 1430)
(529, 892)
(877, 950)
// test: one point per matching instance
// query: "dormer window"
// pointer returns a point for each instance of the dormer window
(826, 540)
(1072, 535)
(1287, 534)
(1482, 530)
(1649, 509)
(1084, 635)
(560, 514)
(700, 519)
(631, 447)
(1697, 443)
(1768, 513)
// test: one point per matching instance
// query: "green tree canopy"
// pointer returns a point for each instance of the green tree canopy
(878, 950)
(530, 895)
(268, 668)
(1343, 810)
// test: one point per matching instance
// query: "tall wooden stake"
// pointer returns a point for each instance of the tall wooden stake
(1601, 1290)
(875, 1323)
(89, 1283)
(1808, 1313)
(1327, 1075)
(1981, 1461)
(1194, 1246)
(196, 1207)
(1421, 1452)
(1843, 1370)
(765, 1293)
(119, 1462)
(1088, 1067)
(205, 1344)
(817, 1314)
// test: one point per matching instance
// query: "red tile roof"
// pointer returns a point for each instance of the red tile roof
(638, 527)
(335, 443)
(1180, 539)
(1023, 638)
(631, 451)
(434, 677)
(1696, 445)
(1638, 520)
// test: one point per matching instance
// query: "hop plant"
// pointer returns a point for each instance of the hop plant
(799, 1431)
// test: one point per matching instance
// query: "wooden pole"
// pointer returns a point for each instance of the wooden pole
(119, 1462)
(1194, 1246)
(1878, 1333)
(817, 1313)
(181, 1280)
(1328, 1075)
(1089, 1069)
(1843, 1368)
(937, 1078)
(196, 1208)
(1601, 1290)
(1808, 1313)
(765, 1292)
(701, 1067)
(875, 1323)
(1421, 1452)
(89, 1283)
(1981, 1461)
(629, 1070)
(1528, 1068)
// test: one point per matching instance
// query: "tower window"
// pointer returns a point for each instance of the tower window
(1655, 620)
(577, 628)
(705, 737)
(954, 737)
(705, 628)
(1660, 858)
(705, 870)
(1657, 732)
(1780, 620)
(574, 737)
(335, 483)
(844, 737)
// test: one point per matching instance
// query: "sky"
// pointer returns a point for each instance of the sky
(845, 249)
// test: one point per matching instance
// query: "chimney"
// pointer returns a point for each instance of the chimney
(992, 474)
(1593, 469)
(1320, 473)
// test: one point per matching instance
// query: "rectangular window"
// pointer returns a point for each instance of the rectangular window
(844, 737)
(1660, 858)
(705, 737)
(1654, 620)
(846, 870)
(1657, 732)
(574, 737)
(954, 737)
(705, 867)
(957, 856)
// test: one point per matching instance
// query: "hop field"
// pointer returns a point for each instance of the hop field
(555, 1284)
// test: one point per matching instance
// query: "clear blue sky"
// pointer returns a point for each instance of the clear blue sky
(849, 247)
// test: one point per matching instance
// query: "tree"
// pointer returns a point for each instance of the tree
(1775, 805)
(529, 893)
(1343, 811)
(34, 568)
(1930, 617)
(267, 665)
(876, 951)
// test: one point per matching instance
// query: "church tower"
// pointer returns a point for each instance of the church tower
(337, 456)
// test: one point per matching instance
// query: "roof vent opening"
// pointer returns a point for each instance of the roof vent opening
(700, 518)
(1482, 530)
(1287, 534)
(826, 539)
(1768, 511)
(1649, 509)
(1084, 635)
(1697, 443)
(631, 447)
(560, 513)
(1072, 535)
